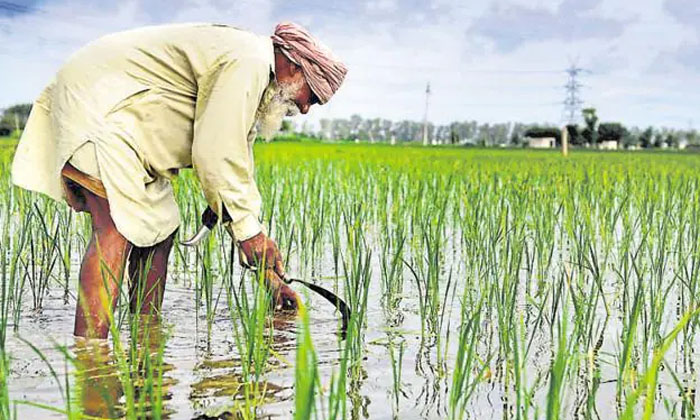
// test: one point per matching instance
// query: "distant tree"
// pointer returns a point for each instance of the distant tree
(454, 133)
(499, 134)
(659, 140)
(631, 139)
(515, 139)
(484, 138)
(646, 138)
(575, 138)
(672, 139)
(306, 129)
(287, 126)
(404, 131)
(442, 134)
(326, 128)
(590, 133)
(342, 129)
(14, 118)
(387, 130)
(612, 131)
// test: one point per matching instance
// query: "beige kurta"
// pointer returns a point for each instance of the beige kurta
(142, 104)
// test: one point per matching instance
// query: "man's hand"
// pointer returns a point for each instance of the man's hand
(284, 298)
(260, 248)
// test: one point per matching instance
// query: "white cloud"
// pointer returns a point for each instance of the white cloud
(394, 48)
(549, 5)
(381, 6)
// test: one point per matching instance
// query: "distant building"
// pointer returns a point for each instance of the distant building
(608, 145)
(541, 142)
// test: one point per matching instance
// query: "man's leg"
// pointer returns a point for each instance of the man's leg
(148, 269)
(101, 271)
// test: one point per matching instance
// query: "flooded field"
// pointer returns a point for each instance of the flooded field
(483, 285)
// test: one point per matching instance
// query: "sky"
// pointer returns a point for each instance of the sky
(486, 60)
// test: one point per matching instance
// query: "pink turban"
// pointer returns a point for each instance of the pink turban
(322, 71)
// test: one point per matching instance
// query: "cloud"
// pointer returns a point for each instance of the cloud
(685, 11)
(381, 6)
(510, 25)
(489, 60)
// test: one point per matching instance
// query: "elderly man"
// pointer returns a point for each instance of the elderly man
(128, 111)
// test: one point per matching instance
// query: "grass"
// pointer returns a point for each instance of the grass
(553, 285)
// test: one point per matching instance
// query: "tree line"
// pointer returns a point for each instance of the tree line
(377, 130)
(590, 133)
(14, 119)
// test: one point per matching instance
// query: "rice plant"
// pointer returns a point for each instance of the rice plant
(559, 288)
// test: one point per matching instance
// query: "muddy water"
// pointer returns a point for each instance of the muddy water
(202, 372)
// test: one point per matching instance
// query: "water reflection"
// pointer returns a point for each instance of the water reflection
(220, 389)
(432, 371)
(101, 375)
(97, 378)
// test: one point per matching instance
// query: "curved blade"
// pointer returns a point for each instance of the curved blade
(198, 237)
(332, 298)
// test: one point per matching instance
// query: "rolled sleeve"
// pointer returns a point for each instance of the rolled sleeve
(221, 155)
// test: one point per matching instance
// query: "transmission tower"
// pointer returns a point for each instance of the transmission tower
(573, 101)
(425, 116)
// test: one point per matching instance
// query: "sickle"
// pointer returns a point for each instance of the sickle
(329, 296)
(209, 219)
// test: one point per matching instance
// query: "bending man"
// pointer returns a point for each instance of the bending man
(128, 111)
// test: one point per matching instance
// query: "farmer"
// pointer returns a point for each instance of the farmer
(128, 111)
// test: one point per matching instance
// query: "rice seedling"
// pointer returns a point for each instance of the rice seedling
(562, 289)
(306, 370)
(253, 337)
(466, 373)
(396, 368)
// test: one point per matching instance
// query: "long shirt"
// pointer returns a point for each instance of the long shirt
(150, 102)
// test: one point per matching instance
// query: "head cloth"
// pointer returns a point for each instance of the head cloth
(322, 71)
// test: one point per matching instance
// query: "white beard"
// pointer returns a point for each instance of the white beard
(277, 102)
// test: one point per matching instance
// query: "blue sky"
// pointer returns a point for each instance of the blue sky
(491, 61)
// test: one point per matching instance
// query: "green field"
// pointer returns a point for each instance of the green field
(483, 284)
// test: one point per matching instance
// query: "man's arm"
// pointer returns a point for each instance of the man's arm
(228, 97)
(225, 113)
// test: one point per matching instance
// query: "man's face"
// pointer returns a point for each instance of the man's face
(281, 100)
(305, 97)
(288, 96)
(291, 77)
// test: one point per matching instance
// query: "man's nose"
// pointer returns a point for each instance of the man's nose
(304, 108)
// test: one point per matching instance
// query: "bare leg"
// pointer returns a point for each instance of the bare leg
(148, 269)
(101, 271)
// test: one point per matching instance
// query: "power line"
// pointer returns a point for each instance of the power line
(572, 100)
